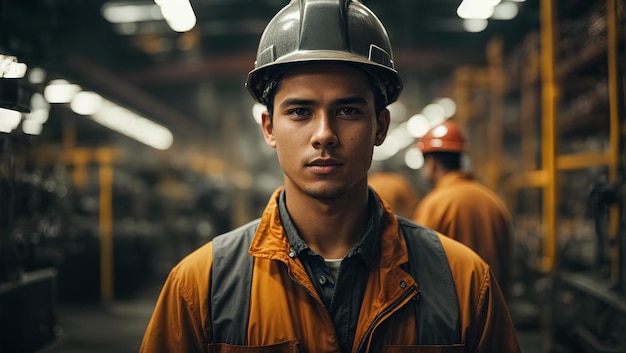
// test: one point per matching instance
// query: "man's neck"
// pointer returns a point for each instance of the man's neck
(331, 227)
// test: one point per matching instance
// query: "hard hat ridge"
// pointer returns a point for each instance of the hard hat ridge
(323, 16)
(324, 30)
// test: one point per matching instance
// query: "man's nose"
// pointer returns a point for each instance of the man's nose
(324, 134)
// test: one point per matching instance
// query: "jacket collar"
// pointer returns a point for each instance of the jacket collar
(451, 178)
(366, 247)
(276, 236)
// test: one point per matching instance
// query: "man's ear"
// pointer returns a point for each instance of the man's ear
(382, 126)
(268, 129)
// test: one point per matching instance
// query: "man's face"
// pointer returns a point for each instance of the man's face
(324, 129)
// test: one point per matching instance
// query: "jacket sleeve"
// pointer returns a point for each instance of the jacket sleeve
(492, 329)
(485, 319)
(178, 322)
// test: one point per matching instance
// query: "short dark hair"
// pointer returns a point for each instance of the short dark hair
(448, 160)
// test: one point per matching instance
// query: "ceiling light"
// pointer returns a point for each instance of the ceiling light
(397, 110)
(31, 127)
(86, 103)
(474, 25)
(60, 91)
(36, 75)
(39, 115)
(257, 110)
(11, 68)
(133, 125)
(505, 11)
(434, 113)
(448, 105)
(414, 158)
(476, 9)
(387, 150)
(9, 120)
(418, 125)
(178, 14)
(120, 12)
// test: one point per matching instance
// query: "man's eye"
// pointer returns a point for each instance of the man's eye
(347, 111)
(298, 111)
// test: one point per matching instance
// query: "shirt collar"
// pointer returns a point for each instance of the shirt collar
(369, 245)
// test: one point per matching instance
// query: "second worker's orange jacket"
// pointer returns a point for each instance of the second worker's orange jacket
(463, 209)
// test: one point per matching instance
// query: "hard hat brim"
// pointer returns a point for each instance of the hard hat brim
(260, 76)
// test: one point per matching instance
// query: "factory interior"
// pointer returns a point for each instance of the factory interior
(128, 139)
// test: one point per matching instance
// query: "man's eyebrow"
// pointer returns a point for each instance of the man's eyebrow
(341, 101)
(296, 101)
(350, 100)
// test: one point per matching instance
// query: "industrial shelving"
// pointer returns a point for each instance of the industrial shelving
(550, 110)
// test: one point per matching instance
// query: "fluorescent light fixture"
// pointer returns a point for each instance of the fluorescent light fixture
(36, 75)
(60, 91)
(397, 110)
(178, 14)
(414, 158)
(133, 125)
(9, 120)
(86, 103)
(475, 12)
(122, 12)
(39, 112)
(418, 125)
(11, 68)
(396, 140)
(505, 11)
(401, 135)
(475, 25)
(434, 113)
(387, 150)
(37, 101)
(39, 115)
(448, 105)
(31, 127)
(476, 9)
(101, 111)
(257, 110)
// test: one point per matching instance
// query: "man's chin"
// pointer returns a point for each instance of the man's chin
(325, 193)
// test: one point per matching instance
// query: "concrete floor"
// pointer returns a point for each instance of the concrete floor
(114, 328)
(119, 326)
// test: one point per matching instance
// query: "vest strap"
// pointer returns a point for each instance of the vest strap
(231, 280)
(437, 310)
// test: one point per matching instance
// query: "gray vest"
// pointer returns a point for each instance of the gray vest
(436, 311)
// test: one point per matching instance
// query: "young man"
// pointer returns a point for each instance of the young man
(462, 208)
(327, 268)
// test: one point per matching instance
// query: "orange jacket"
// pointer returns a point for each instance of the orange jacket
(287, 315)
(469, 212)
(396, 190)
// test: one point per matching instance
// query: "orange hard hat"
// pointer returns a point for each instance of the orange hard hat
(445, 137)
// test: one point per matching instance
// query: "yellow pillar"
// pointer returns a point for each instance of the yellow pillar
(105, 160)
(550, 136)
(612, 54)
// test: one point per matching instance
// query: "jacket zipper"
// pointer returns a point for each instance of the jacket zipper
(412, 291)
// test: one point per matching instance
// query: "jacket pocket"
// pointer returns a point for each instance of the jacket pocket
(284, 347)
(454, 348)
